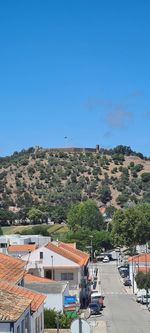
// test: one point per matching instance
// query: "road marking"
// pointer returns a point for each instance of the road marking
(114, 293)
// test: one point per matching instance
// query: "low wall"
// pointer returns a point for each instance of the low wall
(54, 330)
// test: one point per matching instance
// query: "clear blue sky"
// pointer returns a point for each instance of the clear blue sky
(74, 68)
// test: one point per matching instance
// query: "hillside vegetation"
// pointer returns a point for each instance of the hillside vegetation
(53, 180)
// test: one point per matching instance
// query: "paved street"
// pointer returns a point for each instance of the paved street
(122, 314)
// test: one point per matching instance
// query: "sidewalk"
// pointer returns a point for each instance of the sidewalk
(101, 327)
(98, 326)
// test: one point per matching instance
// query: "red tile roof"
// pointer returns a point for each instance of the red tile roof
(22, 248)
(144, 257)
(67, 251)
(9, 261)
(36, 299)
(11, 269)
(32, 278)
(12, 305)
(142, 269)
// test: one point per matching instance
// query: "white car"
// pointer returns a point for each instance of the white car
(106, 259)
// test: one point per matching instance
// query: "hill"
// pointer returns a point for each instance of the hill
(53, 179)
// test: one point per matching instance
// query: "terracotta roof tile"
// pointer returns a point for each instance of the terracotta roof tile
(12, 305)
(11, 261)
(32, 278)
(144, 257)
(65, 250)
(36, 299)
(22, 248)
(143, 269)
(11, 269)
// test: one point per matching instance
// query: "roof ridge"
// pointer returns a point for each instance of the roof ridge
(71, 255)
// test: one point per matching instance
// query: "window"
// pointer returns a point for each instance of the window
(18, 329)
(27, 323)
(41, 317)
(22, 326)
(67, 276)
(37, 325)
(41, 255)
(48, 274)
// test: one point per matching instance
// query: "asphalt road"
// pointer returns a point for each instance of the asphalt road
(122, 314)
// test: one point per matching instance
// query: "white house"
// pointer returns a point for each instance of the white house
(60, 262)
(53, 290)
(138, 263)
(6, 240)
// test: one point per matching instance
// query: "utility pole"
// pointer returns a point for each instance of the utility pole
(91, 246)
(57, 322)
(52, 268)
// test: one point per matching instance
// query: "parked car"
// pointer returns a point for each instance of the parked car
(106, 259)
(127, 282)
(123, 268)
(94, 308)
(148, 306)
(97, 298)
(139, 295)
(94, 284)
(124, 273)
(145, 299)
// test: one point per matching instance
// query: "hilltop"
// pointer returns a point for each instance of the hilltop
(56, 178)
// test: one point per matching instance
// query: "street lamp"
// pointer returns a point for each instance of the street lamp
(91, 247)
(133, 275)
(52, 268)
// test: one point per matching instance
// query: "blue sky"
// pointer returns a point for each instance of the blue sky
(76, 69)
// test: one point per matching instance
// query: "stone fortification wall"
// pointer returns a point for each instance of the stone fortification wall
(74, 149)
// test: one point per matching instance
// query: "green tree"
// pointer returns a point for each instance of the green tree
(101, 239)
(51, 316)
(145, 177)
(105, 194)
(131, 226)
(35, 215)
(143, 281)
(86, 215)
(6, 217)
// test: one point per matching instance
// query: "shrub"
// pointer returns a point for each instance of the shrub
(52, 317)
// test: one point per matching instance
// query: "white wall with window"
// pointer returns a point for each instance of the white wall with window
(71, 275)
(37, 323)
(46, 263)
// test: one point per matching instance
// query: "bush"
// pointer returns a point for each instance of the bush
(52, 317)
(145, 177)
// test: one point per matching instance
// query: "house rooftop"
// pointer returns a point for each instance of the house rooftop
(35, 298)
(55, 287)
(67, 251)
(12, 305)
(144, 257)
(11, 269)
(142, 269)
(29, 278)
(22, 248)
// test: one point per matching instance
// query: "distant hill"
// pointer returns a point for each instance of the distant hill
(59, 177)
